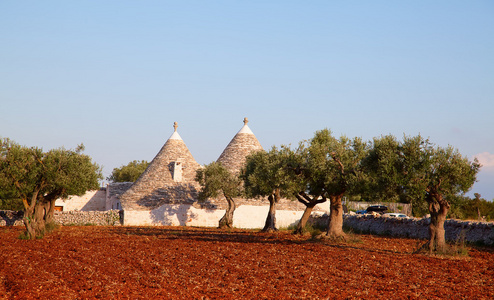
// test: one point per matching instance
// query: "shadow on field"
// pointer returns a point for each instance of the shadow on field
(208, 235)
(241, 236)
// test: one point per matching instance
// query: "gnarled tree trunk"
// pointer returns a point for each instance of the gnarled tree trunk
(50, 209)
(34, 220)
(38, 213)
(309, 203)
(335, 226)
(227, 220)
(270, 224)
(438, 208)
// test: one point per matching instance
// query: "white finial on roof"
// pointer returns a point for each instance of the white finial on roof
(245, 128)
(175, 135)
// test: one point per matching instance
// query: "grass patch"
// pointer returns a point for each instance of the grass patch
(458, 248)
(352, 237)
(50, 227)
(23, 236)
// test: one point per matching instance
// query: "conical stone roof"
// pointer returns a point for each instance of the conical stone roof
(242, 144)
(169, 178)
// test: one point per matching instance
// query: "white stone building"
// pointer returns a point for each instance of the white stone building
(166, 192)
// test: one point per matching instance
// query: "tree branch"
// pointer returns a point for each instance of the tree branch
(336, 159)
(301, 199)
(319, 201)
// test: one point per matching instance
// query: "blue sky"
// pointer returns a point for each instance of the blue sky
(115, 75)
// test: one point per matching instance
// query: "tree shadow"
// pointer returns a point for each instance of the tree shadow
(206, 234)
(166, 214)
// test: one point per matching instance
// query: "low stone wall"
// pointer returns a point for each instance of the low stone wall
(102, 218)
(11, 218)
(456, 230)
(253, 217)
(110, 217)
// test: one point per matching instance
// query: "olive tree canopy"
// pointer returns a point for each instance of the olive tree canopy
(334, 165)
(418, 172)
(215, 180)
(38, 178)
(271, 174)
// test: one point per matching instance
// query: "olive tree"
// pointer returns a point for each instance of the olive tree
(334, 165)
(215, 179)
(271, 174)
(39, 178)
(418, 172)
(448, 173)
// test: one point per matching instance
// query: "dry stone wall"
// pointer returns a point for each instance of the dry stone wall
(103, 218)
(456, 230)
(11, 218)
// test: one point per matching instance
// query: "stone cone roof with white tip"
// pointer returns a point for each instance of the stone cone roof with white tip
(169, 178)
(242, 144)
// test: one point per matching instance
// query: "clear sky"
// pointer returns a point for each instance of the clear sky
(115, 75)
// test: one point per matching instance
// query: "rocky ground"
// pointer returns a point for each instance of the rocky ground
(198, 263)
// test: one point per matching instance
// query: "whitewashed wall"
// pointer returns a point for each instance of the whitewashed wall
(90, 201)
(245, 216)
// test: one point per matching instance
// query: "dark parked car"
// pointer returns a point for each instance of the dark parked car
(380, 209)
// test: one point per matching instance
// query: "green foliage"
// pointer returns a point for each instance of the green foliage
(9, 203)
(24, 236)
(20, 169)
(59, 172)
(382, 165)
(407, 171)
(215, 179)
(128, 173)
(70, 172)
(450, 173)
(38, 178)
(51, 226)
(265, 172)
(475, 208)
(334, 165)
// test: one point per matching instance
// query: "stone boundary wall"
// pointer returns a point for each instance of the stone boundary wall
(11, 218)
(102, 218)
(456, 230)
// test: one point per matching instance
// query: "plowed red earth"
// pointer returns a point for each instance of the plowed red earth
(199, 263)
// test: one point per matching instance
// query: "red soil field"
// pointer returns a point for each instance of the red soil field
(203, 263)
